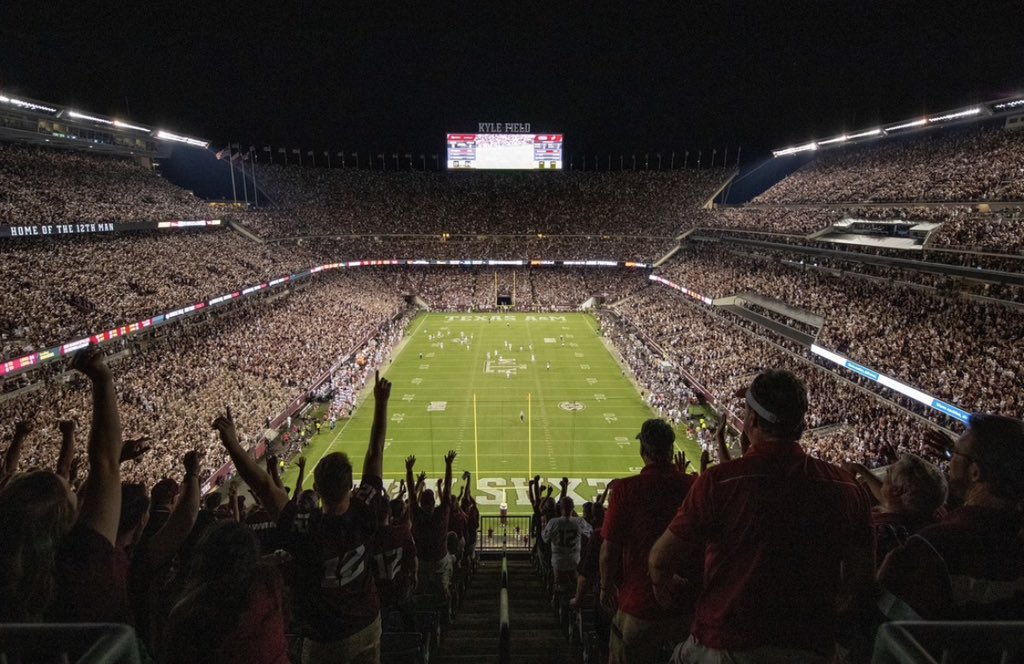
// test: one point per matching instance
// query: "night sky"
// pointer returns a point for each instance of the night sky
(614, 77)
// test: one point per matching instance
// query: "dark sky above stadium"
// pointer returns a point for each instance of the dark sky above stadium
(614, 77)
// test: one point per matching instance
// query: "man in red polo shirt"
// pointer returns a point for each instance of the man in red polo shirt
(784, 540)
(641, 508)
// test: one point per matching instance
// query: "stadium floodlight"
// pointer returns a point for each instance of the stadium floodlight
(20, 103)
(1009, 104)
(91, 118)
(168, 136)
(953, 116)
(799, 148)
(125, 125)
(907, 125)
(865, 134)
(837, 139)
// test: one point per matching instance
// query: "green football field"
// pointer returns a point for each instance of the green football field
(481, 384)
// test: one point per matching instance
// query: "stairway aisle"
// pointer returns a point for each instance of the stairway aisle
(473, 637)
(536, 636)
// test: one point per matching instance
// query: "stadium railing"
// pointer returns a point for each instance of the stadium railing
(504, 627)
(501, 533)
(98, 643)
(949, 642)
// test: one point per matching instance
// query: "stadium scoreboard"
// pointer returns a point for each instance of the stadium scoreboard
(482, 151)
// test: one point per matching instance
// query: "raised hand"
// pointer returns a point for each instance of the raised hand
(66, 427)
(381, 388)
(939, 442)
(90, 361)
(191, 461)
(680, 461)
(410, 461)
(421, 478)
(450, 457)
(24, 427)
(705, 461)
(225, 425)
(465, 475)
(301, 463)
(134, 448)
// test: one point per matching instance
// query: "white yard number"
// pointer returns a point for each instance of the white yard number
(599, 397)
(424, 366)
(417, 381)
(622, 441)
(584, 366)
(610, 417)
(591, 381)
(408, 397)
(578, 354)
(398, 417)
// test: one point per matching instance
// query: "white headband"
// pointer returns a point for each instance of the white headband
(761, 410)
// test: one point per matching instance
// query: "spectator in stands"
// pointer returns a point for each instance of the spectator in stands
(430, 517)
(783, 539)
(336, 599)
(397, 569)
(971, 565)
(565, 533)
(232, 607)
(641, 508)
(909, 498)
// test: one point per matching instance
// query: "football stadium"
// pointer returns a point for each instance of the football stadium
(414, 335)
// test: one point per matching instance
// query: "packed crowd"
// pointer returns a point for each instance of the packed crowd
(60, 289)
(961, 351)
(265, 354)
(721, 357)
(359, 202)
(49, 186)
(535, 289)
(973, 164)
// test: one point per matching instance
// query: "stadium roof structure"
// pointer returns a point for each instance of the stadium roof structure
(965, 115)
(46, 119)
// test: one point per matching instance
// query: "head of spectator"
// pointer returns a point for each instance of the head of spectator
(307, 500)
(588, 512)
(134, 514)
(332, 480)
(212, 501)
(598, 516)
(566, 506)
(36, 510)
(225, 588)
(399, 512)
(427, 501)
(163, 494)
(987, 465)
(656, 438)
(776, 406)
(914, 486)
(451, 543)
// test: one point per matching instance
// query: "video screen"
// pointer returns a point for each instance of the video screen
(505, 152)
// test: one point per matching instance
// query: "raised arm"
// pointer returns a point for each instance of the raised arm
(274, 470)
(373, 465)
(9, 465)
(302, 477)
(67, 448)
(270, 495)
(448, 460)
(723, 449)
(410, 463)
(101, 499)
(162, 547)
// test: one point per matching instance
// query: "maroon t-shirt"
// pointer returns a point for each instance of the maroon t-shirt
(394, 557)
(332, 577)
(973, 558)
(640, 509)
(91, 580)
(772, 528)
(430, 530)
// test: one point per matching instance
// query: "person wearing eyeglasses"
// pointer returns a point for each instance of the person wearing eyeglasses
(970, 565)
